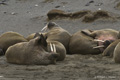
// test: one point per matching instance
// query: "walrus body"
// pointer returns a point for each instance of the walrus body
(82, 44)
(56, 33)
(32, 52)
(10, 38)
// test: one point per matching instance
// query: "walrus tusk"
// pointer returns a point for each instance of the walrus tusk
(99, 47)
(45, 28)
(54, 48)
(51, 47)
(99, 40)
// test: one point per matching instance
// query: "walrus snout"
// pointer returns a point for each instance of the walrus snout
(1, 52)
(107, 43)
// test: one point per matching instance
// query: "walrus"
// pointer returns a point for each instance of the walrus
(31, 53)
(101, 36)
(9, 38)
(82, 44)
(56, 33)
(90, 42)
(60, 49)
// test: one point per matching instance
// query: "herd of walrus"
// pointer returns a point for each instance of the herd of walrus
(53, 42)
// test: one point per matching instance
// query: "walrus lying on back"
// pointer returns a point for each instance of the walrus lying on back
(32, 52)
(91, 42)
(108, 35)
(9, 38)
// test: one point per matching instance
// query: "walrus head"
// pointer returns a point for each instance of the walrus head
(103, 45)
(50, 56)
(49, 26)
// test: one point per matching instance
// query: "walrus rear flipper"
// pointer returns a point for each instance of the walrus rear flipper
(87, 32)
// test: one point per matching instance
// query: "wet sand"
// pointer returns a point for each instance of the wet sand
(29, 16)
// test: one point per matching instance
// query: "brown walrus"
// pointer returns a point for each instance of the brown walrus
(31, 53)
(88, 41)
(9, 38)
(56, 33)
(60, 49)
(82, 44)
(102, 35)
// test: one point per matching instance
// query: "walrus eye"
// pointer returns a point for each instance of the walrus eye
(51, 24)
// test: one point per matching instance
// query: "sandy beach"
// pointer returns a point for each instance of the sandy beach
(29, 16)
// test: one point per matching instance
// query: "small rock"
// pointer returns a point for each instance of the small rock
(13, 13)
(99, 8)
(57, 6)
(36, 5)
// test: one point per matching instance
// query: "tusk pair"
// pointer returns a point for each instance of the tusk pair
(98, 40)
(99, 47)
(45, 28)
(52, 47)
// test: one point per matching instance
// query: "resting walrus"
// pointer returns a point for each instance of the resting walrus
(102, 35)
(9, 38)
(56, 33)
(82, 44)
(32, 52)
(84, 41)
(60, 49)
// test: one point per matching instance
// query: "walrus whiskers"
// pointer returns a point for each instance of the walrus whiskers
(101, 46)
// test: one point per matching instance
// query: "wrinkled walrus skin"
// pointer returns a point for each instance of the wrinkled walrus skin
(31, 53)
(10, 38)
(82, 44)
